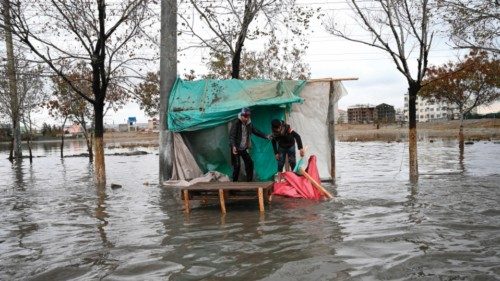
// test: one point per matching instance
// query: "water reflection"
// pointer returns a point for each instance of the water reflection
(102, 215)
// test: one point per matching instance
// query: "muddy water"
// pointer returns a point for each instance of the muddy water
(56, 225)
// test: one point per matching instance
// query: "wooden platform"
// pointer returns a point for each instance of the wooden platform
(224, 191)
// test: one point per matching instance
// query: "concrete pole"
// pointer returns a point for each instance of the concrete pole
(168, 74)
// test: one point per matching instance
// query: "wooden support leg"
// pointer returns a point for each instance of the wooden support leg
(261, 199)
(186, 200)
(222, 203)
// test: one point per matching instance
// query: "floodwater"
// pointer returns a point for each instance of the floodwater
(56, 225)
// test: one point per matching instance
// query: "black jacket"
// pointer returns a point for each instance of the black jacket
(286, 139)
(235, 134)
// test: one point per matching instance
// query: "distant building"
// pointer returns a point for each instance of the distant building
(360, 114)
(384, 113)
(153, 124)
(400, 115)
(74, 129)
(429, 110)
(341, 117)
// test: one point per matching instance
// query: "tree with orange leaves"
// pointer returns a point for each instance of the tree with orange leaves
(467, 84)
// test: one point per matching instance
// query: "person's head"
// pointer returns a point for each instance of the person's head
(276, 126)
(245, 114)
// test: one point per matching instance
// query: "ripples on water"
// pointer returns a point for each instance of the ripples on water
(57, 226)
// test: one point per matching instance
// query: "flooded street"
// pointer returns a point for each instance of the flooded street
(56, 225)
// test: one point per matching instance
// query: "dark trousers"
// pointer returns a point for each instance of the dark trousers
(236, 162)
(283, 152)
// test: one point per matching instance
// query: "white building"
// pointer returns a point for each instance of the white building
(429, 110)
(341, 116)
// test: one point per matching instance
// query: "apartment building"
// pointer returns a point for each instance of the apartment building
(429, 110)
(384, 113)
(360, 113)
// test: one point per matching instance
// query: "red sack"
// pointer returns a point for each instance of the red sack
(293, 185)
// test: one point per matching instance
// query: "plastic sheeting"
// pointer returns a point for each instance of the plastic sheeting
(201, 104)
(184, 164)
(310, 119)
(293, 185)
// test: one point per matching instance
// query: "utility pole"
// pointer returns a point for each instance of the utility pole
(168, 74)
(11, 76)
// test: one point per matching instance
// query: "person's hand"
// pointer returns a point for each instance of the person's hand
(277, 156)
(302, 153)
(234, 150)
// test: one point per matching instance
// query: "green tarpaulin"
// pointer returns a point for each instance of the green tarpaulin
(201, 104)
(202, 109)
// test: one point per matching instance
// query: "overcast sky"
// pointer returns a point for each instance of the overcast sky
(328, 56)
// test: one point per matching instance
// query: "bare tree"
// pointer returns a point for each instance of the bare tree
(67, 104)
(475, 24)
(276, 61)
(104, 36)
(13, 95)
(227, 24)
(31, 88)
(29, 97)
(400, 28)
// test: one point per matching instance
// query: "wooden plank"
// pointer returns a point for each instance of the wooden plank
(186, 200)
(332, 79)
(261, 200)
(222, 203)
(227, 186)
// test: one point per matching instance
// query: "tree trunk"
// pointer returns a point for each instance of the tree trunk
(29, 148)
(168, 73)
(11, 149)
(412, 134)
(88, 138)
(461, 143)
(11, 76)
(89, 148)
(62, 137)
(99, 164)
(461, 132)
(235, 64)
(236, 60)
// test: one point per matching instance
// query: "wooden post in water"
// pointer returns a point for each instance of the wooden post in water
(331, 128)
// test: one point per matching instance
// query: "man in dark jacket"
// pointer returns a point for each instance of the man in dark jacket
(284, 139)
(239, 140)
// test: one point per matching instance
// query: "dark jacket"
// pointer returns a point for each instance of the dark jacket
(286, 139)
(235, 134)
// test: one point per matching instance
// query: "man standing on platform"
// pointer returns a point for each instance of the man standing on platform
(239, 140)
(284, 139)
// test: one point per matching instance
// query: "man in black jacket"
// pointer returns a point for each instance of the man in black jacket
(239, 140)
(284, 139)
